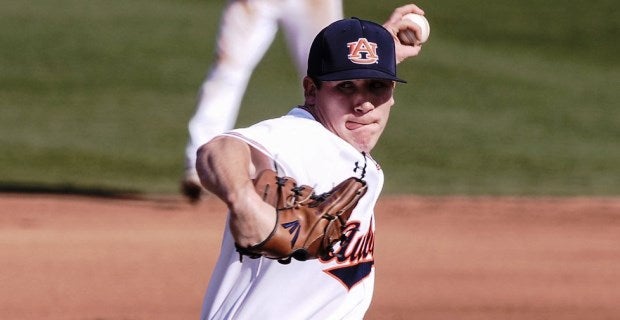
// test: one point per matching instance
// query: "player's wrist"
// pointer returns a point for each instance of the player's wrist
(251, 219)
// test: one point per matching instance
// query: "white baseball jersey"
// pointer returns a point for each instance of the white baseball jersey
(315, 289)
(247, 29)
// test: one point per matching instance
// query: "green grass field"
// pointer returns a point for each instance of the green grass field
(507, 97)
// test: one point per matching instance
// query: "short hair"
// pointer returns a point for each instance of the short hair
(317, 83)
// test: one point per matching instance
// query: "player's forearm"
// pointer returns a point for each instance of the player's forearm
(224, 165)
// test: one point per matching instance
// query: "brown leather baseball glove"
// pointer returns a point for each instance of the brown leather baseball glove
(307, 225)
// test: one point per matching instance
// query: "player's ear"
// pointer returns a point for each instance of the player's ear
(309, 91)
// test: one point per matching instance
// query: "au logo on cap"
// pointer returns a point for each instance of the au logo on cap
(363, 51)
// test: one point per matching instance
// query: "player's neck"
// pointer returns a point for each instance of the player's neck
(310, 110)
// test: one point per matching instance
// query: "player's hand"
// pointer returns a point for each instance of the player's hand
(395, 23)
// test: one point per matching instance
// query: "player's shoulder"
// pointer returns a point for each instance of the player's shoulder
(297, 121)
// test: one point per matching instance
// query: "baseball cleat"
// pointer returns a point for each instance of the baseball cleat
(191, 187)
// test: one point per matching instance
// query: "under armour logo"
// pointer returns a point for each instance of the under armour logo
(293, 228)
(363, 51)
(362, 169)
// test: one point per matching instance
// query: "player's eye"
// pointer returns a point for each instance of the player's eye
(380, 87)
(380, 84)
(346, 85)
(375, 86)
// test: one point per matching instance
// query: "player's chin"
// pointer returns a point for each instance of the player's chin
(363, 138)
(364, 143)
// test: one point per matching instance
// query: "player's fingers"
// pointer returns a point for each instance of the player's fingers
(399, 12)
(405, 24)
(396, 23)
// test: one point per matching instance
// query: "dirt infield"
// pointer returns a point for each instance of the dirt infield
(70, 257)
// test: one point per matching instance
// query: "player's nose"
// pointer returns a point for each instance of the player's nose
(363, 107)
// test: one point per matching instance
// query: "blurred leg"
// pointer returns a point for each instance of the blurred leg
(302, 21)
(247, 29)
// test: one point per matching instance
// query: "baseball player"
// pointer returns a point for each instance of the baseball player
(348, 95)
(247, 29)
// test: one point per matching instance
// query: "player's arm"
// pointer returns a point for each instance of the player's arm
(226, 166)
(395, 23)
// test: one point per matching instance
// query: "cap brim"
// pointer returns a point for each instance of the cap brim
(358, 74)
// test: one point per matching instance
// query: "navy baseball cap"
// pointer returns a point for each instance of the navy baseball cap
(353, 49)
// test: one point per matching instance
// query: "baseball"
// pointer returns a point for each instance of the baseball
(408, 36)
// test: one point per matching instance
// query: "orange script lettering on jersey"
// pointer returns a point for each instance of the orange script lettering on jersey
(355, 247)
(354, 257)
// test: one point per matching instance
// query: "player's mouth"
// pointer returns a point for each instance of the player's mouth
(353, 125)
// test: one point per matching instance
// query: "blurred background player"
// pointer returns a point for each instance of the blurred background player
(247, 30)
